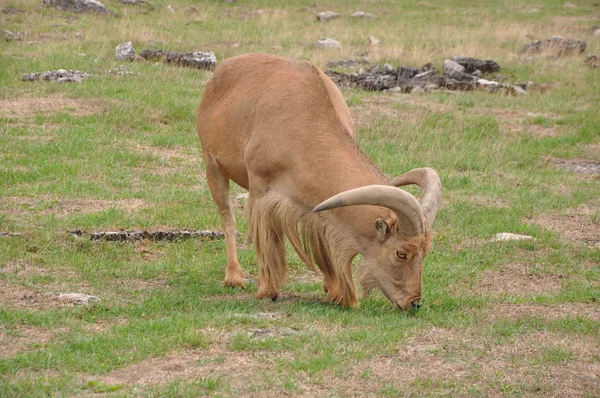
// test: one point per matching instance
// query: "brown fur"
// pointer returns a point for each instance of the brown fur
(281, 129)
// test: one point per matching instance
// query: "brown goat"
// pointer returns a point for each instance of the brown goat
(281, 129)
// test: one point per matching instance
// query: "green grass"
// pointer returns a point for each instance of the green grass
(503, 318)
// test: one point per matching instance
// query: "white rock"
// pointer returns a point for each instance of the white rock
(327, 16)
(77, 298)
(373, 41)
(125, 51)
(327, 43)
(361, 14)
(507, 236)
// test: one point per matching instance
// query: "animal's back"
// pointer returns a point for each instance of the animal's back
(268, 100)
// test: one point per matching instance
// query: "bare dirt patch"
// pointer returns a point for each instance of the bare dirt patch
(442, 358)
(30, 106)
(22, 338)
(239, 370)
(508, 311)
(517, 279)
(18, 296)
(578, 225)
(167, 154)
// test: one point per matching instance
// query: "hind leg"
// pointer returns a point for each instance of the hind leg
(218, 184)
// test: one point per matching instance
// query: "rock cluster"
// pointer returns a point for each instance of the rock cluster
(459, 74)
(78, 5)
(196, 59)
(59, 76)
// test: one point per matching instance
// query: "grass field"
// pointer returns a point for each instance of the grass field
(518, 318)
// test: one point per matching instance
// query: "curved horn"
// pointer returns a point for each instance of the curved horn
(406, 207)
(431, 189)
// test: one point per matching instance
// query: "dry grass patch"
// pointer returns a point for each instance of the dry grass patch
(519, 280)
(31, 106)
(578, 225)
(45, 204)
(240, 371)
(512, 312)
(167, 154)
(23, 338)
(410, 109)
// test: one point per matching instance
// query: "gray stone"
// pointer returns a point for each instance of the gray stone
(327, 43)
(195, 59)
(78, 298)
(473, 64)
(455, 71)
(327, 16)
(78, 5)
(555, 45)
(13, 35)
(592, 61)
(59, 76)
(364, 15)
(125, 51)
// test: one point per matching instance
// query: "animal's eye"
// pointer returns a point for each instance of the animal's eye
(401, 255)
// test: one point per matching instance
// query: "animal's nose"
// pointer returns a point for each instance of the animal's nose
(416, 305)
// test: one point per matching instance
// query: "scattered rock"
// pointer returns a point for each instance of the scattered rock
(507, 236)
(125, 51)
(11, 10)
(596, 31)
(59, 76)
(78, 5)
(373, 41)
(327, 16)
(280, 331)
(9, 234)
(170, 10)
(581, 167)
(260, 315)
(196, 59)
(79, 36)
(555, 45)
(122, 236)
(13, 35)
(472, 65)
(593, 61)
(121, 71)
(348, 63)
(327, 43)
(137, 2)
(363, 15)
(78, 298)
(242, 196)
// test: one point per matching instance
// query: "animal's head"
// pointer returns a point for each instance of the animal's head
(394, 261)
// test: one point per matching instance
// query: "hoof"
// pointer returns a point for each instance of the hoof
(267, 294)
(235, 282)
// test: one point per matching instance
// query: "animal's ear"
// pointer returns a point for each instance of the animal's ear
(383, 228)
